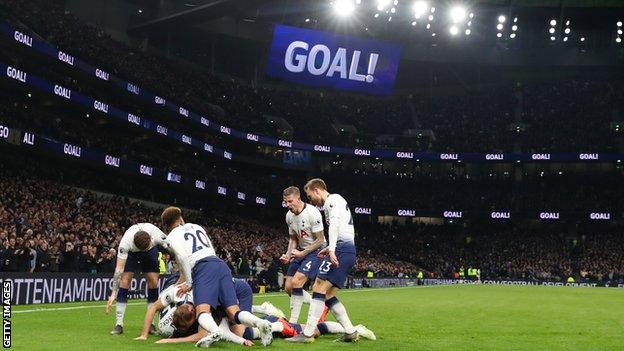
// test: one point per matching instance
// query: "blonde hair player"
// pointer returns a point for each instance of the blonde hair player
(338, 259)
(305, 230)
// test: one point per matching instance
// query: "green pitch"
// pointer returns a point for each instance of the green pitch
(422, 318)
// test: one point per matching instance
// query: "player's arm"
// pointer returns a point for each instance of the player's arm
(183, 265)
(319, 239)
(159, 237)
(119, 269)
(191, 338)
(292, 245)
(317, 232)
(185, 275)
(228, 335)
(149, 318)
(332, 232)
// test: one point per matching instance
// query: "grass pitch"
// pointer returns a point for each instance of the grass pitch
(459, 317)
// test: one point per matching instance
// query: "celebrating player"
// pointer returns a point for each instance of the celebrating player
(305, 227)
(209, 277)
(339, 258)
(137, 249)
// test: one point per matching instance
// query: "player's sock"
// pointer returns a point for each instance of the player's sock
(248, 319)
(251, 334)
(307, 298)
(330, 328)
(152, 296)
(120, 307)
(340, 313)
(277, 327)
(314, 314)
(296, 301)
(206, 321)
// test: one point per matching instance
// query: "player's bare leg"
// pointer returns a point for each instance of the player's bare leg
(122, 302)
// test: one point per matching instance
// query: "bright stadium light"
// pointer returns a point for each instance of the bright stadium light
(499, 26)
(514, 28)
(582, 38)
(458, 13)
(376, 15)
(499, 35)
(501, 19)
(619, 23)
(468, 32)
(565, 38)
(428, 25)
(567, 22)
(344, 8)
(567, 31)
(618, 40)
(432, 9)
(619, 31)
(381, 4)
(420, 7)
(413, 23)
(515, 19)
(553, 22)
(453, 30)
(552, 38)
(431, 17)
(551, 31)
(512, 35)
(393, 10)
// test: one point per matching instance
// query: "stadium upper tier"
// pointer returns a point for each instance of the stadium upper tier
(578, 115)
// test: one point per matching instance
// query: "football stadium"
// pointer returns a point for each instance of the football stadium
(312, 175)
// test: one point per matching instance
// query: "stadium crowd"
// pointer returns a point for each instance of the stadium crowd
(573, 114)
(50, 227)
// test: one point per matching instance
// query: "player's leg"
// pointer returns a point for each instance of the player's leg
(337, 328)
(316, 310)
(122, 293)
(227, 297)
(338, 310)
(288, 285)
(267, 309)
(296, 297)
(338, 276)
(151, 268)
(206, 281)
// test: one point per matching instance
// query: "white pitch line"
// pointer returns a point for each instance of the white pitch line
(255, 296)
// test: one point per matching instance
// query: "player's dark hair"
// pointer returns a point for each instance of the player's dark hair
(169, 216)
(316, 183)
(142, 240)
(291, 190)
(183, 319)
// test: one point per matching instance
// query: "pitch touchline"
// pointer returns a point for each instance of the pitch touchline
(256, 295)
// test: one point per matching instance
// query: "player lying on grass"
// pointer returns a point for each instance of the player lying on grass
(200, 265)
(239, 334)
(180, 325)
(170, 324)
